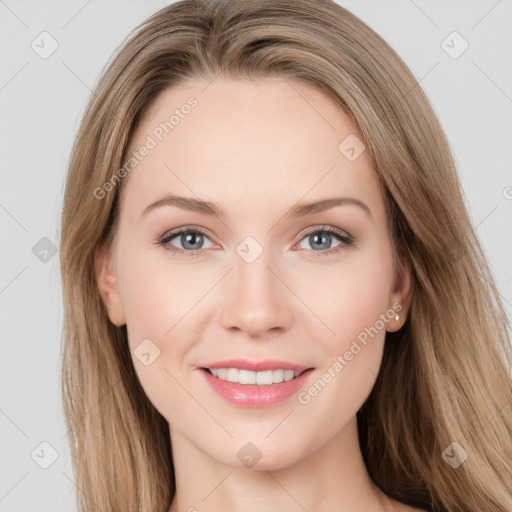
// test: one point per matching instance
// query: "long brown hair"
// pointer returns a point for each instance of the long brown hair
(445, 375)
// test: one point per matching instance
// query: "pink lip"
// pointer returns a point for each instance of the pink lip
(256, 366)
(252, 395)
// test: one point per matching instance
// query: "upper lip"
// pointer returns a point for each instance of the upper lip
(256, 366)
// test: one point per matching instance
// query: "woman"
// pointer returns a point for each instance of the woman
(217, 358)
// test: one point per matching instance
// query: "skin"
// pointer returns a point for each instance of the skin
(256, 148)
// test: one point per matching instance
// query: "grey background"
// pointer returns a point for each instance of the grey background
(41, 102)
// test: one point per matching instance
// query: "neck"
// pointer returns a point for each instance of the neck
(333, 477)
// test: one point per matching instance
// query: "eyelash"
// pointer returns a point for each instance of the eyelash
(345, 239)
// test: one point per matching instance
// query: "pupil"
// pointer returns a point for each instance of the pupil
(316, 237)
(190, 238)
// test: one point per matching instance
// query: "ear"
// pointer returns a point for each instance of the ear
(402, 292)
(108, 286)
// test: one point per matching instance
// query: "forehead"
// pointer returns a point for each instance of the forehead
(262, 143)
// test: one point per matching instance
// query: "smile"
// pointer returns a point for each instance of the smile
(255, 384)
(265, 378)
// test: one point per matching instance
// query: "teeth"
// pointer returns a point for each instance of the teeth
(265, 378)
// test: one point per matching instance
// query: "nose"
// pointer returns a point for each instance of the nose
(257, 300)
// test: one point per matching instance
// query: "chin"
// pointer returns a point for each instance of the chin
(259, 455)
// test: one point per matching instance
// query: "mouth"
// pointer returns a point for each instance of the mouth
(255, 384)
(250, 377)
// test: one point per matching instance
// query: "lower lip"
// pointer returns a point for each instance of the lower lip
(251, 395)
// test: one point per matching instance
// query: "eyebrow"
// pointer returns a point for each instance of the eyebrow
(299, 210)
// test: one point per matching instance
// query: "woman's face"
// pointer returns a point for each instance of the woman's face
(259, 277)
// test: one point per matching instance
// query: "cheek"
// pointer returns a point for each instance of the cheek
(349, 296)
(353, 306)
(160, 299)
(157, 293)
(152, 307)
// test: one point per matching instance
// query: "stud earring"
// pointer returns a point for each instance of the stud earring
(397, 317)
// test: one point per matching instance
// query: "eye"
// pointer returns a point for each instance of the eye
(322, 239)
(190, 241)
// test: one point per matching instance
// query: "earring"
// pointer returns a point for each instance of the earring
(397, 317)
